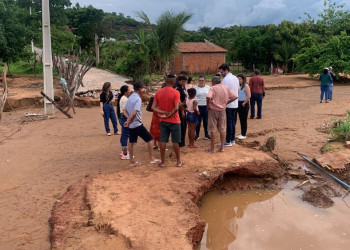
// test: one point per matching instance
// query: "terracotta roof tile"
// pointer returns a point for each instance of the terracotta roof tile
(199, 47)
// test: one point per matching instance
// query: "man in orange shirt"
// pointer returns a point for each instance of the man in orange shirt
(217, 99)
(166, 104)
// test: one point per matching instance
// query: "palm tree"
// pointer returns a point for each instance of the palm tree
(167, 32)
(284, 53)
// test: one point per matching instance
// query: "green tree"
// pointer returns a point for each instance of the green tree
(167, 32)
(14, 34)
(135, 62)
(313, 57)
(86, 24)
(331, 21)
(63, 40)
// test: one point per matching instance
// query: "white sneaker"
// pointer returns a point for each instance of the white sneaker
(241, 137)
(125, 157)
(228, 144)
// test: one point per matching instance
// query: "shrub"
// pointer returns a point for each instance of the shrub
(135, 63)
(342, 131)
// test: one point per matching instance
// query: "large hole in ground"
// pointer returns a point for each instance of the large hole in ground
(249, 212)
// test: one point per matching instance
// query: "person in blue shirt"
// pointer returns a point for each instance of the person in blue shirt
(133, 113)
(326, 80)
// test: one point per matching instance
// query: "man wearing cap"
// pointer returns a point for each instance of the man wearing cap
(133, 112)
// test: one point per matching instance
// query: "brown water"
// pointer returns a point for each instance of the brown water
(273, 219)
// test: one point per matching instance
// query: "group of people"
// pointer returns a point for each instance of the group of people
(327, 78)
(180, 106)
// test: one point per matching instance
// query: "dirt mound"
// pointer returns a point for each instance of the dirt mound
(160, 213)
(320, 196)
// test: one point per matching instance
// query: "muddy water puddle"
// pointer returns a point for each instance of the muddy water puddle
(273, 219)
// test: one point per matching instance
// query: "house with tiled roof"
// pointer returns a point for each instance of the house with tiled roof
(198, 58)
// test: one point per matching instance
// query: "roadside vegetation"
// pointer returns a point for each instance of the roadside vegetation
(341, 130)
(136, 48)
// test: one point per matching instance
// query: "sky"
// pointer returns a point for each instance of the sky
(217, 13)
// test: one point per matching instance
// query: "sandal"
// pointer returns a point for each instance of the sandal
(161, 165)
(156, 161)
(109, 134)
(135, 164)
(192, 146)
(221, 150)
(180, 164)
(165, 149)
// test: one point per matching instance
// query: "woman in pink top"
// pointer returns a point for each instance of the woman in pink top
(192, 116)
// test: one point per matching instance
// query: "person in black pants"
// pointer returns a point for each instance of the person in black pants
(107, 110)
(243, 105)
(201, 97)
(182, 79)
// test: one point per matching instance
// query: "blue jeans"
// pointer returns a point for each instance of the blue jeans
(109, 113)
(258, 99)
(330, 93)
(230, 124)
(203, 116)
(325, 92)
(125, 132)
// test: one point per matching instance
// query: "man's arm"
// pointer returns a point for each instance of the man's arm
(131, 118)
(176, 109)
(209, 97)
(208, 100)
(263, 86)
(159, 111)
(232, 97)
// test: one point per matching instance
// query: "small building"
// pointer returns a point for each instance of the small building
(198, 58)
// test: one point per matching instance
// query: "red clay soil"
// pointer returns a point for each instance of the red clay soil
(148, 207)
(39, 160)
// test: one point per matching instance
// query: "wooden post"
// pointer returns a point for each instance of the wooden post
(97, 50)
(4, 94)
(55, 104)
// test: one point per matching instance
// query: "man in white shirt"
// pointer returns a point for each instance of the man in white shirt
(232, 83)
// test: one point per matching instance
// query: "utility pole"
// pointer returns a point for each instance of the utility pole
(47, 58)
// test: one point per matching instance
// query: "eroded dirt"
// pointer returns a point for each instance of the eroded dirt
(39, 160)
(148, 207)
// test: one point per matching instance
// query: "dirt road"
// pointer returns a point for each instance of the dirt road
(94, 79)
(40, 161)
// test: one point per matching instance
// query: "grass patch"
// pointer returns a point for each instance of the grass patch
(330, 148)
(24, 68)
(341, 132)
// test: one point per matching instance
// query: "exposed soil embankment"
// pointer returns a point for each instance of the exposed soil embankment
(148, 207)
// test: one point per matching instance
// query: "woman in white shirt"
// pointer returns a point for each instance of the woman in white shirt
(201, 97)
(122, 100)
